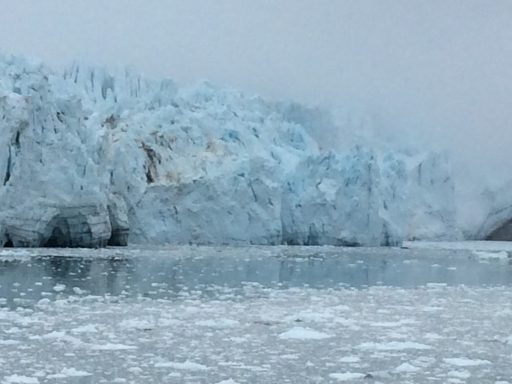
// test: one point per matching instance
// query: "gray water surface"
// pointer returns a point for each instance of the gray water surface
(161, 273)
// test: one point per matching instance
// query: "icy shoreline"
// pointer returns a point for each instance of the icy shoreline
(490, 246)
(173, 250)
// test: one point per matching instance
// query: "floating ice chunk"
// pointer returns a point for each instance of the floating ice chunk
(228, 381)
(43, 302)
(59, 287)
(112, 347)
(54, 335)
(432, 336)
(300, 333)
(485, 255)
(185, 366)
(341, 307)
(431, 309)
(392, 324)
(346, 376)
(350, 359)
(290, 356)
(436, 285)
(139, 324)
(465, 362)
(9, 342)
(218, 323)
(57, 376)
(78, 291)
(406, 368)
(61, 336)
(394, 346)
(460, 374)
(15, 253)
(89, 328)
(16, 379)
(311, 316)
(72, 372)
(69, 372)
(475, 246)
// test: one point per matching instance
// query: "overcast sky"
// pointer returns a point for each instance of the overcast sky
(437, 66)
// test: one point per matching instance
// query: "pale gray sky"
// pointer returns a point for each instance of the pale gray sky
(437, 66)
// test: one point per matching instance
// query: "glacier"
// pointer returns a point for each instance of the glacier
(90, 158)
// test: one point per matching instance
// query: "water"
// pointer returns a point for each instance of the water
(254, 315)
(163, 274)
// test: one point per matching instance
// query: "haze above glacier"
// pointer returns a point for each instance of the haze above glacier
(425, 68)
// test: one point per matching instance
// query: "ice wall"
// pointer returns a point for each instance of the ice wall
(89, 158)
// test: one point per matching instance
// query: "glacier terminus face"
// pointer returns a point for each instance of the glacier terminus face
(88, 158)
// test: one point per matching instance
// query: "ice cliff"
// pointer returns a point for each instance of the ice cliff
(89, 159)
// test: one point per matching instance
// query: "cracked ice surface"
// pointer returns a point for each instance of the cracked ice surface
(430, 334)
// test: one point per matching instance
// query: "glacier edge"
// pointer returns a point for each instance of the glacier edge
(89, 159)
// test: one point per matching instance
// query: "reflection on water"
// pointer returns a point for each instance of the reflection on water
(160, 276)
